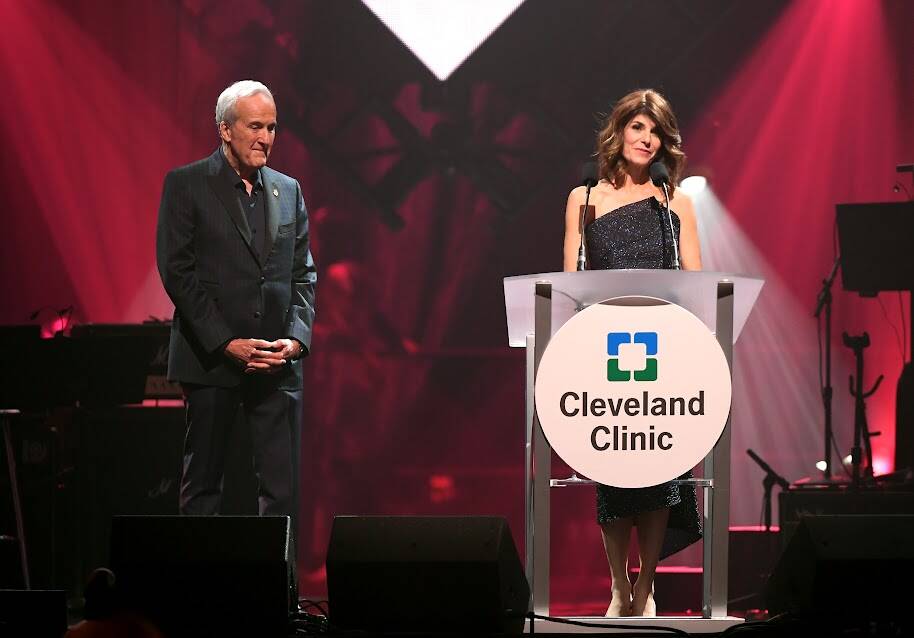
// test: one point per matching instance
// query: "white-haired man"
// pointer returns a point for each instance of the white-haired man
(233, 252)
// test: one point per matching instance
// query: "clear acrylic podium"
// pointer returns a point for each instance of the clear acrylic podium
(536, 306)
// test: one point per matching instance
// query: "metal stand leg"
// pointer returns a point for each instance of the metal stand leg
(539, 459)
(528, 464)
(717, 467)
(17, 507)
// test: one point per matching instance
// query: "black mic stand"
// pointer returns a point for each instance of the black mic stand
(677, 265)
(582, 257)
(824, 300)
(862, 433)
(772, 478)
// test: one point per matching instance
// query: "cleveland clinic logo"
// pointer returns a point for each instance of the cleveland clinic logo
(651, 429)
(631, 355)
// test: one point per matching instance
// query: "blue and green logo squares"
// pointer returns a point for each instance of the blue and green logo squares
(615, 372)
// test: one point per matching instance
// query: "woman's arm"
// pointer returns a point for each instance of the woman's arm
(689, 248)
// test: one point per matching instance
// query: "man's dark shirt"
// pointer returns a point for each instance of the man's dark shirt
(252, 204)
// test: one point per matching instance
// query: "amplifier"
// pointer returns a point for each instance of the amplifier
(800, 502)
(149, 340)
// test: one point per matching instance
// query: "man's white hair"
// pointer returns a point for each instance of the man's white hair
(225, 105)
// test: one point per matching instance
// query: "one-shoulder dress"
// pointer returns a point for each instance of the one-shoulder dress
(637, 235)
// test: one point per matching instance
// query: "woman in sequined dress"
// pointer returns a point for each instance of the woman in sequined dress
(626, 227)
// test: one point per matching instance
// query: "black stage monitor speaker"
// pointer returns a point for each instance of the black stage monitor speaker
(847, 566)
(206, 575)
(875, 243)
(33, 613)
(429, 574)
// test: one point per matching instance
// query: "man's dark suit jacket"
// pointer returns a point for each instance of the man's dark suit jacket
(220, 287)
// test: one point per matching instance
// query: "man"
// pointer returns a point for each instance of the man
(233, 253)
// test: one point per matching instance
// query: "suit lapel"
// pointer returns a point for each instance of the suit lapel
(271, 194)
(229, 199)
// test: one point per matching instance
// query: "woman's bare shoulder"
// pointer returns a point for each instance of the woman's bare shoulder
(682, 204)
(577, 194)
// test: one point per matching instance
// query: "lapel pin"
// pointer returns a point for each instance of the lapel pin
(275, 192)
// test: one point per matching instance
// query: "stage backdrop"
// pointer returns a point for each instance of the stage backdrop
(426, 186)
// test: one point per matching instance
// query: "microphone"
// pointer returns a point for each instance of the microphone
(772, 478)
(660, 176)
(589, 174)
(588, 179)
(777, 478)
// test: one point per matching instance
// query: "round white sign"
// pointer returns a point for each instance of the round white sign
(633, 391)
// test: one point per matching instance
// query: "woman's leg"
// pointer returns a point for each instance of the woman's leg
(651, 529)
(616, 538)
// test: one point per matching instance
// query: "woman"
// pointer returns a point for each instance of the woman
(627, 228)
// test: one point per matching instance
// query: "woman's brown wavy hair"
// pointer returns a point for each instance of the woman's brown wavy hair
(609, 139)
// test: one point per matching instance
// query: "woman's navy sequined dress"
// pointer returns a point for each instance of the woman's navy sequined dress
(637, 235)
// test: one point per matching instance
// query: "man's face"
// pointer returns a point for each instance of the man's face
(249, 138)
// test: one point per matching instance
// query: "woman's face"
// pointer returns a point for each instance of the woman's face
(640, 141)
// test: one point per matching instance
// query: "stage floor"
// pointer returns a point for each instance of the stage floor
(602, 625)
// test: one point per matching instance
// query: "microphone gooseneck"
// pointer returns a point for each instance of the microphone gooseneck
(660, 177)
(588, 179)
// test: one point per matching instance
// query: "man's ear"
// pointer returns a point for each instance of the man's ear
(225, 131)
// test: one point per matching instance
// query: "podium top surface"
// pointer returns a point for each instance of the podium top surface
(694, 290)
